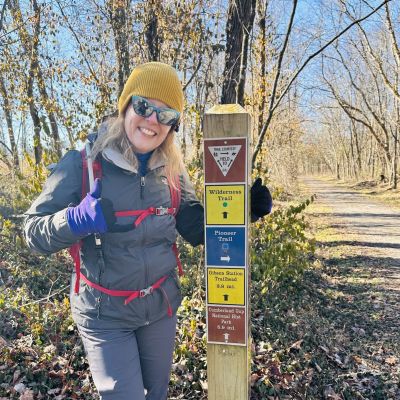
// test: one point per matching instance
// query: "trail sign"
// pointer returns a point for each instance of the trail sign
(226, 286)
(225, 160)
(226, 247)
(226, 324)
(226, 131)
(225, 204)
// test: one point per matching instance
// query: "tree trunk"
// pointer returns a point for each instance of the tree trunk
(37, 145)
(263, 58)
(30, 44)
(357, 143)
(46, 101)
(353, 158)
(119, 22)
(153, 39)
(10, 129)
(338, 170)
(238, 27)
(395, 161)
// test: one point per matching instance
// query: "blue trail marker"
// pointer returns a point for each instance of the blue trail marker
(226, 247)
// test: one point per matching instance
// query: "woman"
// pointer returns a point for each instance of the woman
(128, 339)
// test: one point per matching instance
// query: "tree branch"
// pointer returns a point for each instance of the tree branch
(363, 95)
(81, 46)
(6, 147)
(395, 46)
(194, 74)
(3, 11)
(288, 86)
(276, 81)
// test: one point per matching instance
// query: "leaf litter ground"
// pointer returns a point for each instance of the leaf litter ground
(332, 335)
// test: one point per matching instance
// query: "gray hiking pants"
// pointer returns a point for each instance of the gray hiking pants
(124, 363)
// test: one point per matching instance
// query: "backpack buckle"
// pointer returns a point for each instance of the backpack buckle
(161, 211)
(145, 292)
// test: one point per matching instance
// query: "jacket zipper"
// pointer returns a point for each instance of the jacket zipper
(142, 183)
(100, 255)
(146, 273)
(146, 277)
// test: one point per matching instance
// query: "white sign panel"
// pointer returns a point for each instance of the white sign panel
(224, 156)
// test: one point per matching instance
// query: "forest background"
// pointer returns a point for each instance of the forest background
(319, 78)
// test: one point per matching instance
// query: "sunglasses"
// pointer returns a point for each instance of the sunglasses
(165, 116)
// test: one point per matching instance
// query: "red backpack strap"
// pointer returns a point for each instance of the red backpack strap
(175, 190)
(75, 249)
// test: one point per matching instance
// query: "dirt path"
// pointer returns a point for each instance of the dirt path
(371, 229)
(358, 243)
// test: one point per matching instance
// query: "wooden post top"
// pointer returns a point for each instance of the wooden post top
(226, 120)
(226, 109)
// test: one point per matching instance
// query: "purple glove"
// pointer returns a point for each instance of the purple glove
(88, 217)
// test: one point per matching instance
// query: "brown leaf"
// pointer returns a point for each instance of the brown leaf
(357, 359)
(27, 395)
(324, 349)
(287, 378)
(391, 360)
(204, 385)
(253, 379)
(3, 342)
(17, 374)
(274, 369)
(329, 394)
(296, 345)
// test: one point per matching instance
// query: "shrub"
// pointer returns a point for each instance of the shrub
(31, 184)
(280, 248)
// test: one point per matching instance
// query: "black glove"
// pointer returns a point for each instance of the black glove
(261, 200)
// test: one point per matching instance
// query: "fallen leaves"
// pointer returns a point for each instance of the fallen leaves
(391, 360)
(296, 346)
(27, 395)
(334, 357)
(3, 342)
(329, 394)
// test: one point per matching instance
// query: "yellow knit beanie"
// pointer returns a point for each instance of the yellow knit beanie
(154, 80)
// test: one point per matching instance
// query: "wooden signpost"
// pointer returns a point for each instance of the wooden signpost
(226, 178)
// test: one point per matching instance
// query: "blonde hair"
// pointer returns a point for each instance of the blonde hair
(116, 138)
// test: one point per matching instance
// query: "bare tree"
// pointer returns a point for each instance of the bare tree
(152, 34)
(118, 14)
(10, 129)
(239, 24)
(274, 100)
(31, 47)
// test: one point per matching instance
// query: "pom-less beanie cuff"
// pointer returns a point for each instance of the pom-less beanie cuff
(153, 80)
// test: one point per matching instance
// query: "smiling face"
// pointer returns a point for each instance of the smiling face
(145, 134)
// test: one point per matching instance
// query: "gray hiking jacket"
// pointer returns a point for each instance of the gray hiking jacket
(133, 260)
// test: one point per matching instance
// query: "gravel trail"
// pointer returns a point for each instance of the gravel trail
(371, 229)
